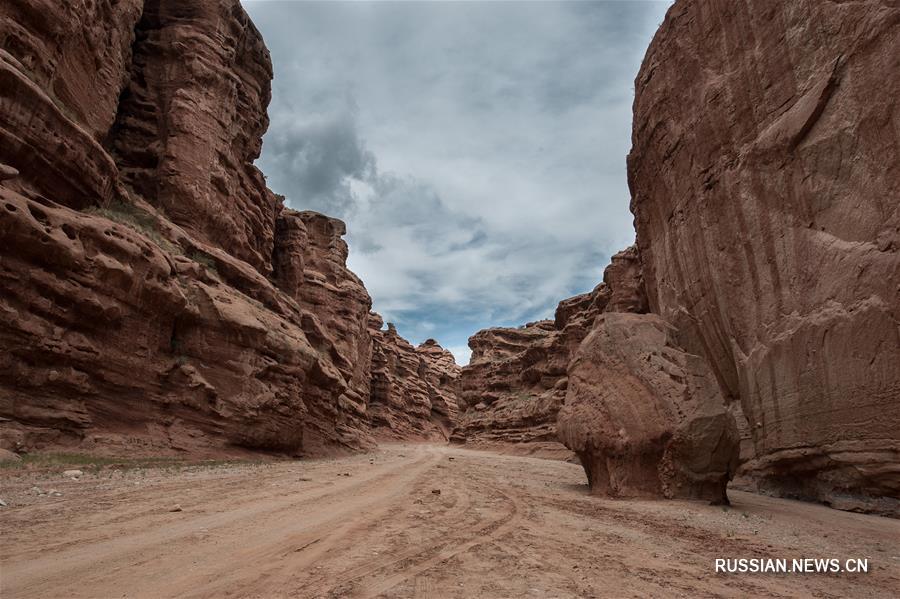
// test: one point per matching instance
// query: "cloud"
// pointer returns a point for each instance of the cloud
(317, 157)
(461, 353)
(476, 150)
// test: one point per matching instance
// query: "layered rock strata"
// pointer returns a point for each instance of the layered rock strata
(154, 294)
(189, 123)
(765, 186)
(413, 393)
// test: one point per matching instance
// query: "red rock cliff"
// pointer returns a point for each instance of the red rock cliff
(153, 293)
(644, 416)
(765, 185)
(189, 123)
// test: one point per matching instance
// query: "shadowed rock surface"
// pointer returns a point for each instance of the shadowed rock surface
(765, 186)
(154, 294)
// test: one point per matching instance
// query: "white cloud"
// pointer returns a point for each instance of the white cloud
(461, 353)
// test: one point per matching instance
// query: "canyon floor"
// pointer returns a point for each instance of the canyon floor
(374, 525)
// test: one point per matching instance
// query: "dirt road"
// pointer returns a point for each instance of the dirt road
(373, 526)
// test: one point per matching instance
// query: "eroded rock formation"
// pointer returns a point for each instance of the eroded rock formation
(413, 393)
(765, 186)
(509, 389)
(189, 123)
(154, 294)
(644, 416)
(610, 381)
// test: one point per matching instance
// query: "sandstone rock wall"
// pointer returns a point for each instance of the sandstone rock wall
(413, 391)
(765, 186)
(154, 294)
(442, 375)
(62, 67)
(190, 121)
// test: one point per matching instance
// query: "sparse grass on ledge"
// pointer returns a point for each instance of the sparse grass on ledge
(135, 218)
(204, 259)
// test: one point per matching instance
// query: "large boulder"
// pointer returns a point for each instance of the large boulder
(645, 417)
(516, 381)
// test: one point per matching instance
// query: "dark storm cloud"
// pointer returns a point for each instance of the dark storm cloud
(475, 149)
(315, 158)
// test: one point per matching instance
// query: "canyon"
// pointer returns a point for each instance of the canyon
(174, 336)
(158, 297)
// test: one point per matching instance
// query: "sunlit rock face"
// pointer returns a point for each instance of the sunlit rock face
(765, 186)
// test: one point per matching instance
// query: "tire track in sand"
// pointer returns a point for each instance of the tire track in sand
(158, 553)
(412, 563)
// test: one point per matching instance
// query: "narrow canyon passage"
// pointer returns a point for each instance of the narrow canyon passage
(373, 525)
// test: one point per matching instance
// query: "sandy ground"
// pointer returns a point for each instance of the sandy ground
(372, 526)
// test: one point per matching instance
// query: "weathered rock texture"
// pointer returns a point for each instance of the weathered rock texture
(644, 416)
(109, 338)
(189, 123)
(413, 391)
(62, 68)
(765, 182)
(442, 375)
(509, 389)
(154, 294)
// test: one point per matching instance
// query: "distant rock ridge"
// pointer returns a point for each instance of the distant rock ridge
(413, 394)
(155, 296)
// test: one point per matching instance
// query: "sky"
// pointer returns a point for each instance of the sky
(476, 150)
